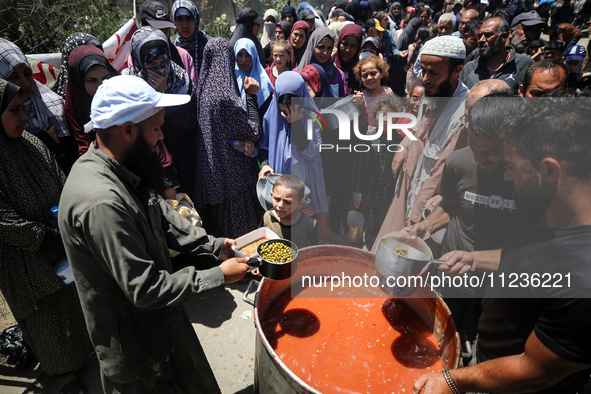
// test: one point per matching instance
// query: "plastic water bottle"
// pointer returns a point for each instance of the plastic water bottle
(53, 221)
(240, 146)
(62, 268)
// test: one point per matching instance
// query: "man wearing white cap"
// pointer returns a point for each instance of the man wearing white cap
(440, 132)
(117, 233)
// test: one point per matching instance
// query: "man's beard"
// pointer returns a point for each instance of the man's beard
(146, 164)
(517, 43)
(493, 50)
(445, 89)
(534, 197)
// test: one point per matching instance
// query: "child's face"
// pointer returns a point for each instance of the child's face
(283, 201)
(280, 56)
(572, 64)
(415, 97)
(371, 76)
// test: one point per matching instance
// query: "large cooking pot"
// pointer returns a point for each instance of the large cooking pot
(273, 376)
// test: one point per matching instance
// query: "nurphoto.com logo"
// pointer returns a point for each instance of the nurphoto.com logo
(341, 121)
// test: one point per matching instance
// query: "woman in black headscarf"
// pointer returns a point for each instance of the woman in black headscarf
(248, 25)
(409, 34)
(47, 310)
(73, 41)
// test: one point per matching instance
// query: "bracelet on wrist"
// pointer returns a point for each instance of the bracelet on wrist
(450, 382)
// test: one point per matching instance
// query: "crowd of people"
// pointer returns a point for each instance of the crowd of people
(211, 117)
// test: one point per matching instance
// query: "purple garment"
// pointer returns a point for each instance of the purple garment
(221, 172)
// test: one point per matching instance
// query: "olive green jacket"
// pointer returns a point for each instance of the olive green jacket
(117, 239)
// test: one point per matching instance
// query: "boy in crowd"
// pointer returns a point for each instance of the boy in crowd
(286, 219)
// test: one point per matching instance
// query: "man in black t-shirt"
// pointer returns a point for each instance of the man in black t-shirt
(538, 339)
(478, 206)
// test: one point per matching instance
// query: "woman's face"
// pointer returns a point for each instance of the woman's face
(370, 76)
(95, 76)
(348, 48)
(384, 22)
(185, 25)
(425, 18)
(280, 56)
(244, 60)
(298, 38)
(22, 76)
(323, 50)
(279, 34)
(14, 118)
(159, 66)
(289, 17)
(396, 11)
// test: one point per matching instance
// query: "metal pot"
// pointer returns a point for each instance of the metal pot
(273, 376)
(275, 271)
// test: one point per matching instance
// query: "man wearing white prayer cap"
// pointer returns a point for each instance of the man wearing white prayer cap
(440, 131)
(117, 232)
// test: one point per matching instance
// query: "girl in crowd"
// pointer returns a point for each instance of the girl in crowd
(248, 65)
(248, 25)
(150, 60)
(372, 72)
(225, 179)
(73, 41)
(319, 51)
(281, 50)
(88, 67)
(416, 92)
(282, 32)
(47, 311)
(298, 39)
(396, 15)
(290, 152)
(190, 38)
(347, 54)
(44, 108)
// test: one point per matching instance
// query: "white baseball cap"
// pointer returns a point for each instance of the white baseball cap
(127, 98)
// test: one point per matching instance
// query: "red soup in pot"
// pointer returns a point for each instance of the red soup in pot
(351, 345)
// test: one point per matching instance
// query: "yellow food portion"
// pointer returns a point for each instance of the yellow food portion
(276, 252)
(401, 251)
(251, 248)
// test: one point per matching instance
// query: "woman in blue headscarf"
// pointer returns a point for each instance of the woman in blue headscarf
(248, 65)
(285, 137)
(190, 38)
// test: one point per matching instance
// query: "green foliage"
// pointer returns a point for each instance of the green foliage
(42, 26)
(220, 27)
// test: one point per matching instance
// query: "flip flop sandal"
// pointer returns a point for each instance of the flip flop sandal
(74, 386)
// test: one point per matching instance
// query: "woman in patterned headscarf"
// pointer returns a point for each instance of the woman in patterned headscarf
(47, 311)
(190, 38)
(151, 61)
(225, 179)
(74, 40)
(150, 46)
(44, 108)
